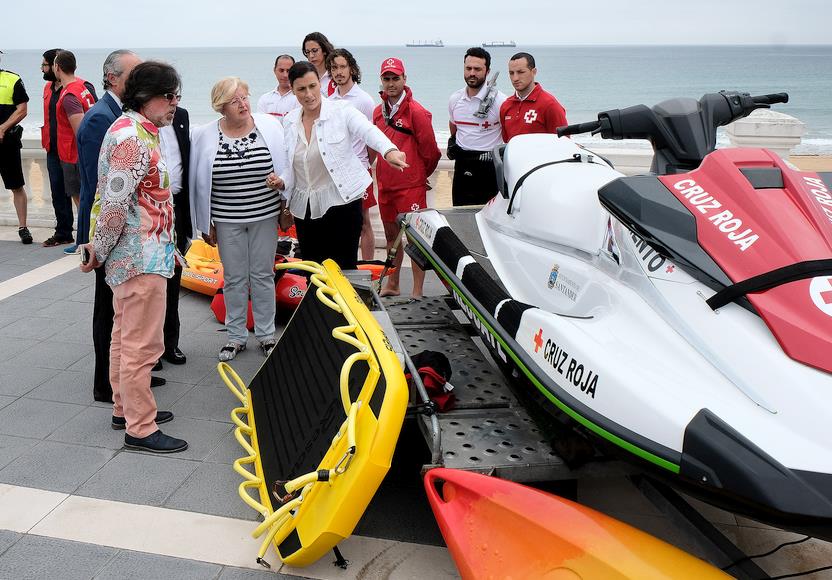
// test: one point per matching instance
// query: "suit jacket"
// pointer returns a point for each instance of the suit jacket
(182, 201)
(90, 136)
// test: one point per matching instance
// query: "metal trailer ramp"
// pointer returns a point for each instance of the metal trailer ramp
(488, 430)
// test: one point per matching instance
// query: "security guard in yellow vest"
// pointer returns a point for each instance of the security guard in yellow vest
(13, 108)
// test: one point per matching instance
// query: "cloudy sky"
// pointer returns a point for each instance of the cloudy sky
(33, 24)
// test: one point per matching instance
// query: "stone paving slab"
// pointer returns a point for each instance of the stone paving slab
(212, 489)
(35, 419)
(35, 557)
(139, 478)
(52, 355)
(55, 466)
(13, 447)
(128, 565)
(8, 538)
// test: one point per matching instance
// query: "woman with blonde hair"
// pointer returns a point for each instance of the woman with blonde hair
(234, 208)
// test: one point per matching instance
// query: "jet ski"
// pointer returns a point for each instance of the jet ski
(682, 317)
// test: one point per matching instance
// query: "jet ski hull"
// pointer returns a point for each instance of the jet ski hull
(692, 447)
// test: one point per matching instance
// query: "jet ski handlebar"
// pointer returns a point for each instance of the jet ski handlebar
(771, 99)
(682, 131)
(580, 128)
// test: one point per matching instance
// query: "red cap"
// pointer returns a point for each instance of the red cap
(393, 65)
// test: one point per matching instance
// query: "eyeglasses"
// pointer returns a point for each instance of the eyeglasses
(171, 97)
(311, 51)
(238, 100)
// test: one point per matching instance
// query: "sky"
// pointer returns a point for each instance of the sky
(35, 24)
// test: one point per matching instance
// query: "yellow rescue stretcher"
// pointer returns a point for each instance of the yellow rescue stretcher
(319, 504)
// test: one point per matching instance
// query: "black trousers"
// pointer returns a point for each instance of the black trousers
(475, 182)
(335, 235)
(102, 329)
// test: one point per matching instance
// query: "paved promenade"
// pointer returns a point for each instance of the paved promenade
(74, 504)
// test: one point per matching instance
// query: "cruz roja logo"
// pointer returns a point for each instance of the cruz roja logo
(565, 365)
(530, 116)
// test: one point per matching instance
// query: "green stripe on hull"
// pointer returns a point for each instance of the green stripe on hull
(597, 429)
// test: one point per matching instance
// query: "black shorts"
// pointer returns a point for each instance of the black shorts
(11, 165)
(474, 183)
(72, 179)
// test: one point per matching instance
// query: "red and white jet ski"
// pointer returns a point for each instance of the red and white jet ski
(683, 316)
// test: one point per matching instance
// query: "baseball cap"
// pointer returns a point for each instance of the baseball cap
(393, 65)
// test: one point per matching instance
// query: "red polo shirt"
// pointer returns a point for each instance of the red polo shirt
(539, 112)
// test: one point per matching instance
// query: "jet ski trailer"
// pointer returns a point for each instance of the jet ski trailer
(683, 318)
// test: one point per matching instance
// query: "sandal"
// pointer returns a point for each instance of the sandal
(230, 350)
(268, 346)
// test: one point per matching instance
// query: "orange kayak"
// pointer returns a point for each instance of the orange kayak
(500, 529)
(204, 273)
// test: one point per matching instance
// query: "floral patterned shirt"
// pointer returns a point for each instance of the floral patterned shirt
(134, 225)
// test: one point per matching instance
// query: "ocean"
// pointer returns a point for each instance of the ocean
(585, 79)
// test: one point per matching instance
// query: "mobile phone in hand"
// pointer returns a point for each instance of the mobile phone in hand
(85, 255)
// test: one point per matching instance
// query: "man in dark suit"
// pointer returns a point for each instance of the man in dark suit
(176, 148)
(90, 136)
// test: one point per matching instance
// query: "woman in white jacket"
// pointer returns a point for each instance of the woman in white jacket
(232, 206)
(324, 181)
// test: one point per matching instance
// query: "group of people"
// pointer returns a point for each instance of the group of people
(144, 182)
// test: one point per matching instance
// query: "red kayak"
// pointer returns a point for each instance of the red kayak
(500, 529)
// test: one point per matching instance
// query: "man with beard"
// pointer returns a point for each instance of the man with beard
(474, 113)
(346, 75)
(408, 125)
(76, 98)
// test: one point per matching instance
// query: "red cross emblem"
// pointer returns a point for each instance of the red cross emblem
(486, 125)
(820, 290)
(670, 269)
(538, 340)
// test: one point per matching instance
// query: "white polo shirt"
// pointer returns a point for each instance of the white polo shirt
(358, 98)
(273, 103)
(474, 133)
(172, 157)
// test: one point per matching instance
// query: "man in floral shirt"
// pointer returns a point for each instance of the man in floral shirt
(134, 240)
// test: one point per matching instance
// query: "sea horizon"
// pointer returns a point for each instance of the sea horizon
(586, 78)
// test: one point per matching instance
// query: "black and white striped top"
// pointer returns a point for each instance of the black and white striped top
(238, 191)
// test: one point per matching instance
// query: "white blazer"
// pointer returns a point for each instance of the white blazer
(205, 140)
(335, 128)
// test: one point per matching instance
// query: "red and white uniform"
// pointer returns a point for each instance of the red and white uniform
(474, 133)
(359, 99)
(539, 112)
(67, 146)
(410, 129)
(277, 105)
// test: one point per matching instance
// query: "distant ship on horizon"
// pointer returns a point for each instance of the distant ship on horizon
(499, 44)
(426, 43)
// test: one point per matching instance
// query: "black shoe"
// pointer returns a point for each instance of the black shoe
(157, 382)
(157, 366)
(175, 356)
(56, 241)
(161, 417)
(25, 235)
(156, 442)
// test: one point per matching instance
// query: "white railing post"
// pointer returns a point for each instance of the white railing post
(768, 129)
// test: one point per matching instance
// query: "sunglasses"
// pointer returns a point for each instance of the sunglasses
(311, 51)
(171, 97)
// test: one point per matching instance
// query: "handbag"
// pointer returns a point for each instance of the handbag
(285, 219)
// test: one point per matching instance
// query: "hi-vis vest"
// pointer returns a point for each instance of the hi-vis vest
(8, 80)
(67, 146)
